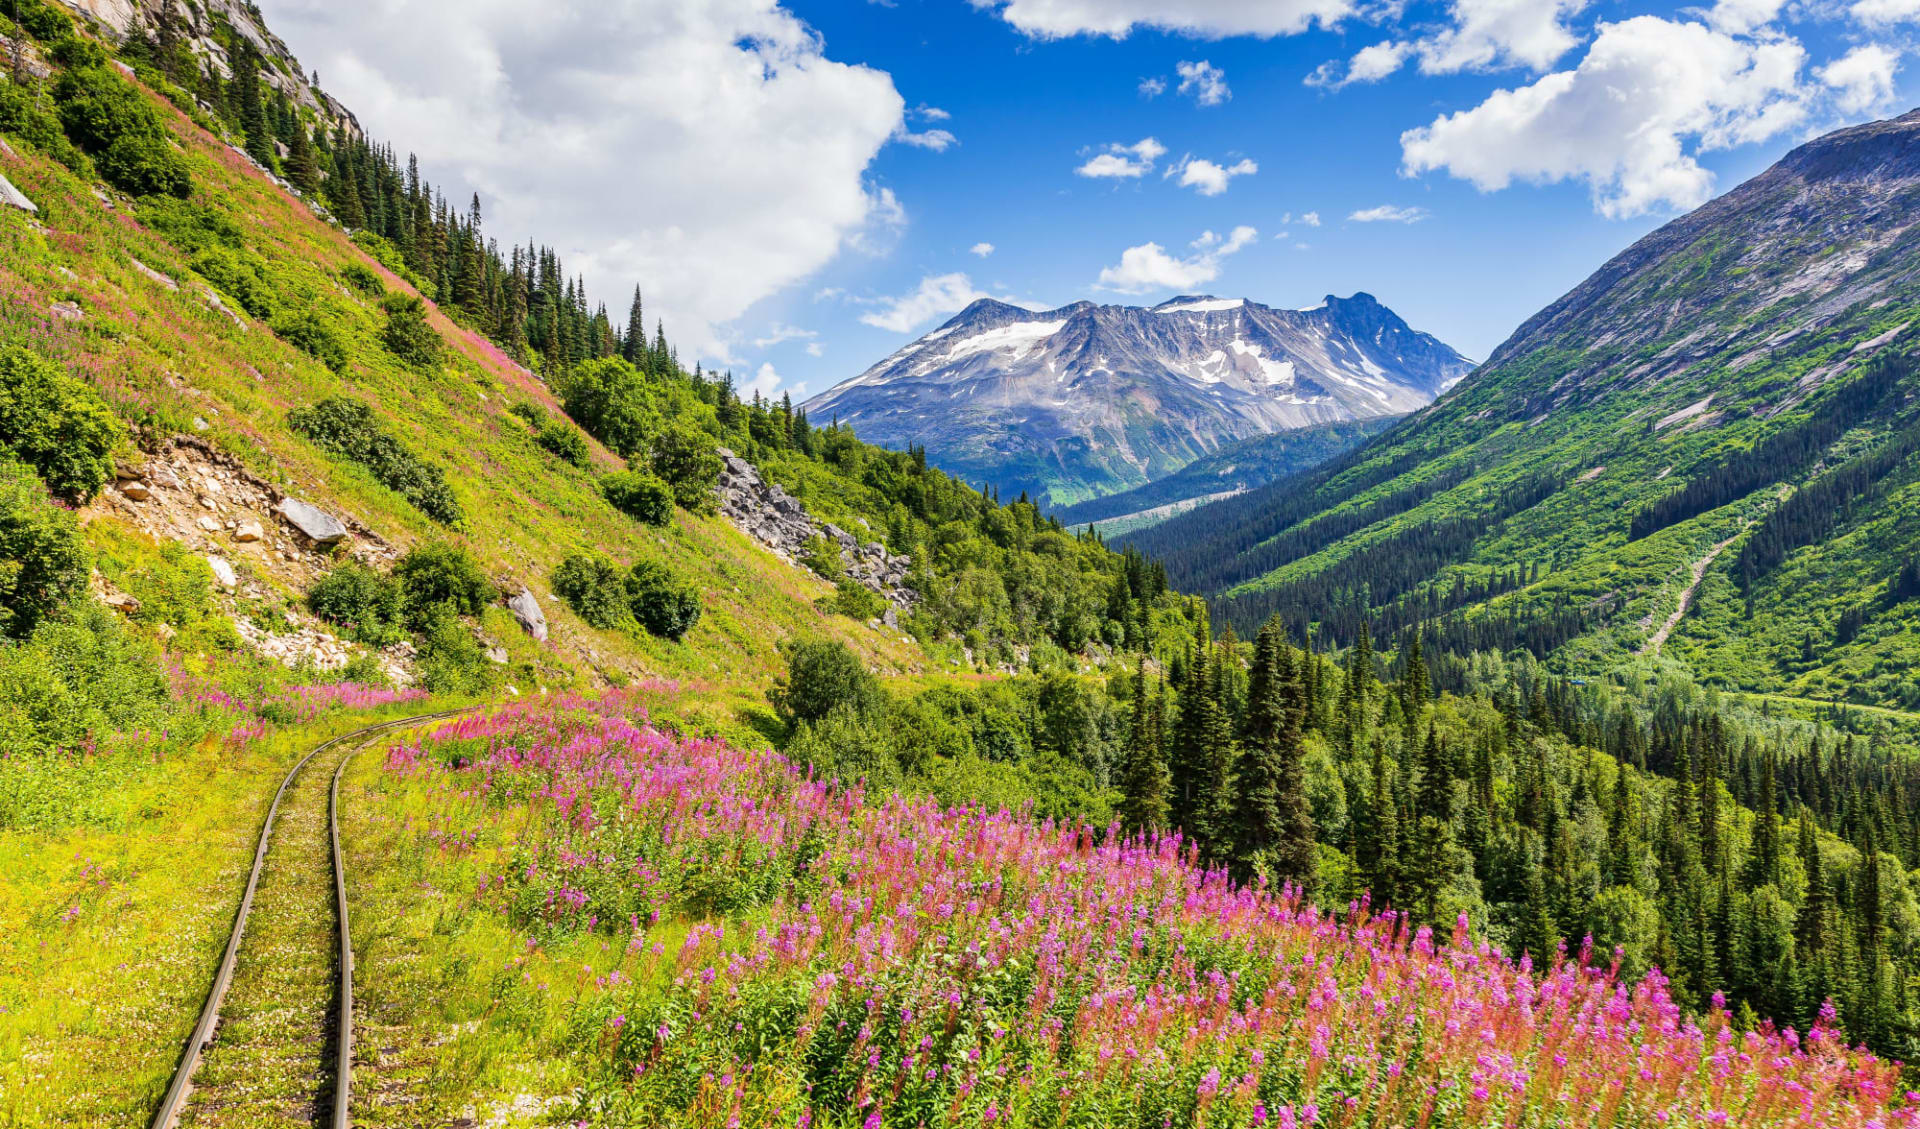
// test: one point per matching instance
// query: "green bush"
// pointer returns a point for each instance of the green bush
(240, 275)
(348, 428)
(174, 587)
(440, 576)
(662, 602)
(194, 228)
(534, 414)
(613, 401)
(407, 334)
(108, 117)
(823, 557)
(822, 676)
(57, 425)
(362, 279)
(79, 676)
(146, 166)
(23, 116)
(688, 462)
(360, 599)
(43, 562)
(309, 333)
(595, 588)
(387, 255)
(566, 442)
(41, 20)
(640, 496)
(857, 601)
(450, 658)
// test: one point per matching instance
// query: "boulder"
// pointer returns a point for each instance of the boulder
(136, 490)
(249, 531)
(318, 525)
(67, 311)
(526, 608)
(155, 276)
(13, 197)
(223, 573)
(121, 602)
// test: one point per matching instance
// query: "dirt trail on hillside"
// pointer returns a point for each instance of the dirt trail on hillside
(1699, 567)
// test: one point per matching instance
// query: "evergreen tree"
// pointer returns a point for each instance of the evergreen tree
(303, 168)
(1144, 780)
(1274, 824)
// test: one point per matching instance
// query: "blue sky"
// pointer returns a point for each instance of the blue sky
(803, 186)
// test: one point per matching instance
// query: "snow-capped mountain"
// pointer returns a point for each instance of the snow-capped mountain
(1085, 400)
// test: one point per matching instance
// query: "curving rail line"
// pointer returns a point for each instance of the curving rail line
(176, 1096)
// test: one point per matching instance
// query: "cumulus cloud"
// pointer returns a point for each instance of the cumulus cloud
(1152, 87)
(1207, 178)
(1304, 219)
(1209, 19)
(982, 249)
(931, 113)
(1741, 17)
(555, 112)
(778, 334)
(1150, 267)
(1388, 213)
(767, 381)
(1878, 13)
(1206, 83)
(938, 140)
(936, 295)
(1501, 33)
(1862, 79)
(1120, 161)
(1628, 120)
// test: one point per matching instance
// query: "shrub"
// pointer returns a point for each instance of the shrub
(41, 20)
(362, 279)
(440, 576)
(611, 399)
(359, 599)
(146, 166)
(174, 586)
(856, 600)
(347, 428)
(594, 588)
(239, 275)
(450, 658)
(822, 676)
(640, 496)
(307, 332)
(564, 441)
(80, 675)
(107, 116)
(194, 228)
(534, 414)
(687, 461)
(408, 335)
(823, 557)
(57, 425)
(43, 563)
(662, 602)
(23, 116)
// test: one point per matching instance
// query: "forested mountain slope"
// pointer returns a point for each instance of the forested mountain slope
(1730, 400)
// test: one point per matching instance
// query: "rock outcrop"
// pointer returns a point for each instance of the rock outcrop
(765, 512)
(13, 197)
(526, 609)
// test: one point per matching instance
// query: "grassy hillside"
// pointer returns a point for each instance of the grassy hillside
(1634, 436)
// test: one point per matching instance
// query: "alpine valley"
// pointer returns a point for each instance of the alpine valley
(430, 700)
(1070, 404)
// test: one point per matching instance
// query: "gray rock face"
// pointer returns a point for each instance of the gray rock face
(320, 527)
(13, 197)
(1087, 400)
(778, 520)
(526, 609)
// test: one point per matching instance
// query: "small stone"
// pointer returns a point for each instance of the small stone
(121, 602)
(248, 531)
(137, 491)
(67, 311)
(223, 573)
(200, 424)
(497, 655)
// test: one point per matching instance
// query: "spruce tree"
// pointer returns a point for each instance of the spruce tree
(1144, 781)
(1274, 823)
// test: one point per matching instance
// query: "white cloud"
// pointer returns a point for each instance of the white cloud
(1119, 160)
(886, 219)
(1371, 64)
(1307, 219)
(816, 349)
(1740, 17)
(936, 295)
(1628, 120)
(1388, 213)
(767, 382)
(1211, 19)
(543, 108)
(1208, 178)
(1501, 33)
(1149, 266)
(1204, 81)
(982, 249)
(779, 334)
(1862, 79)
(931, 113)
(938, 140)
(1152, 87)
(1882, 12)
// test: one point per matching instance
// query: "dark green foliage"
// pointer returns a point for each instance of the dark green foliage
(240, 275)
(688, 463)
(24, 115)
(857, 601)
(41, 20)
(349, 428)
(308, 332)
(441, 576)
(823, 676)
(614, 402)
(662, 602)
(106, 115)
(638, 495)
(450, 659)
(363, 279)
(194, 228)
(595, 588)
(43, 562)
(1144, 781)
(55, 424)
(407, 334)
(566, 442)
(361, 600)
(77, 677)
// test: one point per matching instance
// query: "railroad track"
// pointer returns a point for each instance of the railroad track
(327, 972)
